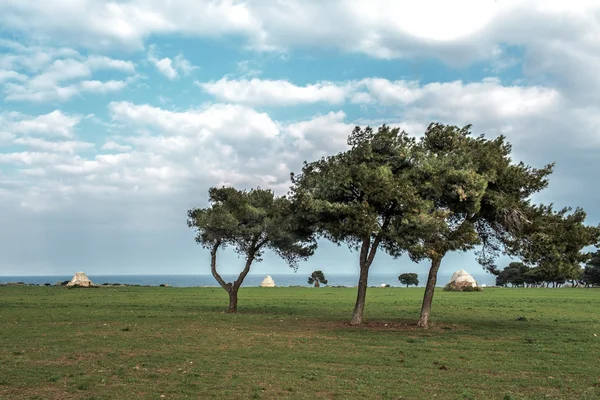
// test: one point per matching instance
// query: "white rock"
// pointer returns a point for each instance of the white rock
(463, 278)
(268, 282)
(80, 279)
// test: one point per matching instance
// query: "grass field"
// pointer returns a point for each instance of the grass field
(174, 343)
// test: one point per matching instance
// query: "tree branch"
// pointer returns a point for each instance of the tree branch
(213, 266)
(377, 240)
(249, 259)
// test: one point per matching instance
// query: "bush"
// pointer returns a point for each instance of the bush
(453, 287)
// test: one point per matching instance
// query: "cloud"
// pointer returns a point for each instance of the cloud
(110, 145)
(70, 147)
(102, 87)
(463, 100)
(56, 74)
(274, 92)
(6, 75)
(182, 64)
(103, 62)
(98, 24)
(53, 124)
(168, 67)
(380, 29)
(242, 122)
(164, 66)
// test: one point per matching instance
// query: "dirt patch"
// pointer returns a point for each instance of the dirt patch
(399, 326)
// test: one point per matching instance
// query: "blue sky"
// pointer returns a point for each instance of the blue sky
(116, 117)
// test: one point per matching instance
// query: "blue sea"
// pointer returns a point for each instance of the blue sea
(282, 280)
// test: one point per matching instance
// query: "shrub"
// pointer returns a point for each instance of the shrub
(452, 287)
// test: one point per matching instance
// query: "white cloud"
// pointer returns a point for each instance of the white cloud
(55, 123)
(464, 100)
(170, 68)
(165, 67)
(27, 93)
(6, 75)
(275, 92)
(182, 64)
(56, 74)
(380, 28)
(110, 145)
(102, 87)
(456, 98)
(70, 147)
(29, 158)
(103, 62)
(241, 121)
(99, 24)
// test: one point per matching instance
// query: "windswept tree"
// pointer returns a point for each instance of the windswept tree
(316, 278)
(250, 222)
(409, 278)
(477, 196)
(361, 197)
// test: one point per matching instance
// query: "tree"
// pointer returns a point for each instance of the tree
(316, 278)
(409, 279)
(591, 273)
(361, 197)
(515, 274)
(477, 195)
(250, 222)
(555, 241)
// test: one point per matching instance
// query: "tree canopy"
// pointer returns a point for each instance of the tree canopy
(555, 242)
(477, 196)
(409, 278)
(316, 278)
(361, 197)
(250, 222)
(591, 273)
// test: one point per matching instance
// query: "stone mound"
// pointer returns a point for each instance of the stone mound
(268, 282)
(80, 279)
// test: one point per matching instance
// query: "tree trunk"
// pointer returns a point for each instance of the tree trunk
(429, 289)
(367, 254)
(317, 284)
(359, 307)
(233, 300)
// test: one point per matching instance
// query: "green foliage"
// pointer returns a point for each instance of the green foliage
(555, 242)
(363, 193)
(316, 278)
(515, 274)
(251, 222)
(478, 195)
(591, 273)
(410, 278)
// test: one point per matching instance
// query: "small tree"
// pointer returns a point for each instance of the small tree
(317, 278)
(250, 222)
(409, 279)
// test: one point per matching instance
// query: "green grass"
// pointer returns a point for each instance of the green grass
(174, 343)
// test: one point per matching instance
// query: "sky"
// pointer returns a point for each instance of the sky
(116, 117)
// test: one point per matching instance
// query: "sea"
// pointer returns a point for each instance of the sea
(207, 280)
